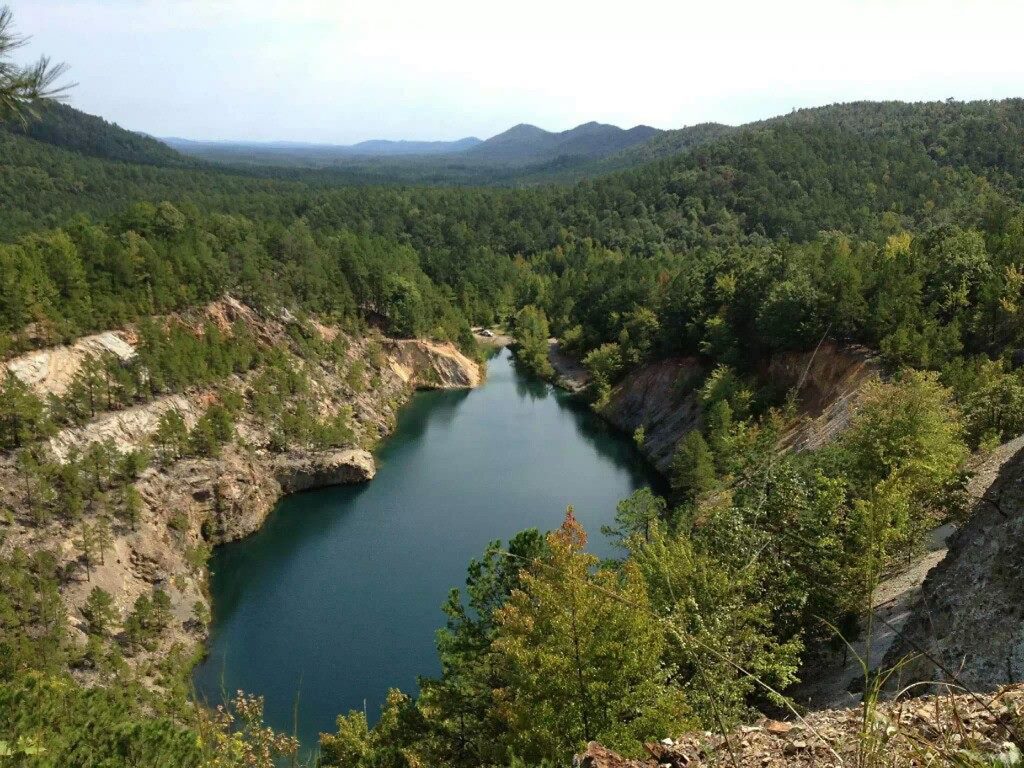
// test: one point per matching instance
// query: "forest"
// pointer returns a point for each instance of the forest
(899, 227)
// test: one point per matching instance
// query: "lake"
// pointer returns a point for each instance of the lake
(337, 598)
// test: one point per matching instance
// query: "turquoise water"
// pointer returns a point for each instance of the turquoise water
(337, 598)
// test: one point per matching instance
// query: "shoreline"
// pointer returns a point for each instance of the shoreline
(194, 503)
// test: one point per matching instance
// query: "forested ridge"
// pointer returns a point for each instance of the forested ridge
(896, 226)
(521, 151)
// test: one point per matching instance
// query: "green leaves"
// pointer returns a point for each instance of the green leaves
(21, 86)
(23, 416)
(531, 333)
(581, 656)
(716, 623)
(693, 467)
(100, 612)
(51, 721)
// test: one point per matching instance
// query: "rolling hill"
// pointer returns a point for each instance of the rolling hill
(522, 153)
(834, 167)
(72, 129)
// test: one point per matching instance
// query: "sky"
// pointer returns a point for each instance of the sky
(339, 71)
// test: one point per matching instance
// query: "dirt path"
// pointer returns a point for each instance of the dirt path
(498, 338)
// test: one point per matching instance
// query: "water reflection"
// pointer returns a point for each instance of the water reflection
(340, 592)
(427, 409)
(527, 385)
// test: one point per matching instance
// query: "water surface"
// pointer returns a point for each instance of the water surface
(337, 598)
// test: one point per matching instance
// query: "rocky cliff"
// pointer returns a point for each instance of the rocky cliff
(194, 503)
(429, 365)
(968, 621)
(51, 370)
(661, 397)
(828, 382)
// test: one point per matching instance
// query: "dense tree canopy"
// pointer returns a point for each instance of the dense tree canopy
(895, 226)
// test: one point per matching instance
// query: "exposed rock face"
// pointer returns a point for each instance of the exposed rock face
(230, 497)
(597, 756)
(601, 757)
(194, 502)
(970, 615)
(225, 499)
(831, 380)
(50, 371)
(303, 470)
(128, 428)
(570, 373)
(661, 398)
(832, 678)
(430, 365)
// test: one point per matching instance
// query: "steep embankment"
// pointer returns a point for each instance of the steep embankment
(662, 398)
(828, 383)
(50, 371)
(959, 605)
(969, 617)
(430, 365)
(191, 503)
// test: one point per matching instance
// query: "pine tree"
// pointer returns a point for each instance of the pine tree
(140, 630)
(718, 621)
(99, 457)
(23, 417)
(636, 515)
(85, 395)
(581, 655)
(460, 701)
(132, 506)
(171, 435)
(73, 503)
(99, 612)
(131, 464)
(161, 616)
(718, 422)
(38, 492)
(103, 534)
(21, 87)
(86, 544)
(693, 467)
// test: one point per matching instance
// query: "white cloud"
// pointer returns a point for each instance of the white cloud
(344, 71)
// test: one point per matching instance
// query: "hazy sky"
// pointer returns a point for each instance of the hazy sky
(342, 71)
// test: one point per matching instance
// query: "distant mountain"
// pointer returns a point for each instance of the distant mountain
(304, 154)
(520, 147)
(523, 155)
(527, 144)
(829, 167)
(385, 148)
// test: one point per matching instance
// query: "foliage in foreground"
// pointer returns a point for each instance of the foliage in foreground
(896, 226)
(708, 616)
